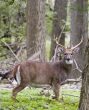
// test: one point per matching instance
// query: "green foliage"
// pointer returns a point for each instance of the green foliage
(12, 22)
(30, 99)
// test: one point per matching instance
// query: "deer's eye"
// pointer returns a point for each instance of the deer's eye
(71, 53)
(65, 54)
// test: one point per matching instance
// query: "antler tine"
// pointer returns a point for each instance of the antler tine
(77, 44)
(56, 40)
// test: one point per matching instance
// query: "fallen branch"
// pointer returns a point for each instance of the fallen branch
(71, 81)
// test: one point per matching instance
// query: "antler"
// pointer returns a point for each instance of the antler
(56, 40)
(77, 44)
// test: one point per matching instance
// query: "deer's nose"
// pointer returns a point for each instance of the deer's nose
(68, 59)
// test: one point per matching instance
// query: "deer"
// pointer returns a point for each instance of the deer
(36, 72)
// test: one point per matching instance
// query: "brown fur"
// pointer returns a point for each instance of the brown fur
(33, 72)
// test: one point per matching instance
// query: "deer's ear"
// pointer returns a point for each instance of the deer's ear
(76, 50)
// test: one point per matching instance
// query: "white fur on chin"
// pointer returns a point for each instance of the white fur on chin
(69, 62)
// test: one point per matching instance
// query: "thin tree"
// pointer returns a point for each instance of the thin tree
(60, 14)
(79, 22)
(36, 27)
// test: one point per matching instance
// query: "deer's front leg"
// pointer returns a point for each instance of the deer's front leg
(16, 90)
(56, 90)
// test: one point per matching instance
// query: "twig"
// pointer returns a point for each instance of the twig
(11, 51)
(61, 32)
(54, 56)
(77, 67)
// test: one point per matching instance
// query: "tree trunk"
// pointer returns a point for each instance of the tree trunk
(79, 28)
(36, 27)
(60, 14)
(84, 97)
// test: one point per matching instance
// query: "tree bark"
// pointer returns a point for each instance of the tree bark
(79, 28)
(60, 14)
(36, 27)
(84, 97)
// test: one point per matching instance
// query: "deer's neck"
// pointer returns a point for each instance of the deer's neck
(63, 70)
(62, 66)
(66, 67)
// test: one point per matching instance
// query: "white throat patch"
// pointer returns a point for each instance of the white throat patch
(69, 62)
(18, 77)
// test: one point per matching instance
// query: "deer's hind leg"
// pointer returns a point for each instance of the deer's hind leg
(16, 90)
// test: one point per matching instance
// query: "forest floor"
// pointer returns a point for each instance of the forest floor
(32, 99)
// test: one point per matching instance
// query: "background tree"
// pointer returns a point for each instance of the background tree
(59, 19)
(36, 27)
(79, 24)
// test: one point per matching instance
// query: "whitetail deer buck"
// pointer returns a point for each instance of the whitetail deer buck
(33, 72)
